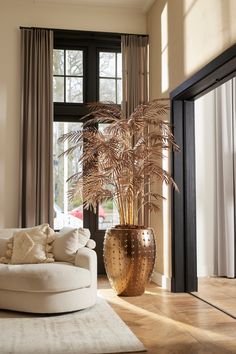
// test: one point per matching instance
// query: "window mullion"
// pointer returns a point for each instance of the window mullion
(64, 75)
(116, 75)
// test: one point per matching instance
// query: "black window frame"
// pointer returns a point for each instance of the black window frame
(91, 43)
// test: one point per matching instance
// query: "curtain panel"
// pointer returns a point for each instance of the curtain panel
(36, 165)
(135, 73)
(134, 50)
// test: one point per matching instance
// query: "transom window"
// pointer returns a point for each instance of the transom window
(110, 73)
(68, 76)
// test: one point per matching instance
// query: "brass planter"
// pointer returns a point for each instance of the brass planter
(129, 257)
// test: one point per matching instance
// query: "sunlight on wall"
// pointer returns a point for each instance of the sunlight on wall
(3, 114)
(164, 50)
(165, 87)
(201, 40)
(166, 219)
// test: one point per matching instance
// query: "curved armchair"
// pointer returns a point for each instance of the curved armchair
(50, 287)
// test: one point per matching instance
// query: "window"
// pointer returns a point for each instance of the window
(86, 68)
(107, 211)
(68, 76)
(65, 211)
(110, 73)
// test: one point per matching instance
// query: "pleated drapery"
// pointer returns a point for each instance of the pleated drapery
(134, 50)
(135, 75)
(36, 201)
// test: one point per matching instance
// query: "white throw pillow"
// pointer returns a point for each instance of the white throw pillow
(30, 246)
(84, 236)
(68, 241)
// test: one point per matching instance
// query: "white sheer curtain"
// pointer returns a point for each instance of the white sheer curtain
(225, 177)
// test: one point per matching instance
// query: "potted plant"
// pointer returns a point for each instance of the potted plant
(119, 162)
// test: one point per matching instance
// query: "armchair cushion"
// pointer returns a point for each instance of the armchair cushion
(43, 277)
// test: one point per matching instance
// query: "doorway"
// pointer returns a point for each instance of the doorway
(215, 159)
(184, 250)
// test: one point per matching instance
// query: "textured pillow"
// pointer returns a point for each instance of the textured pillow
(68, 241)
(30, 246)
(3, 246)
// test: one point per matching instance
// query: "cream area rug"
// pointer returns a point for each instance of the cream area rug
(96, 330)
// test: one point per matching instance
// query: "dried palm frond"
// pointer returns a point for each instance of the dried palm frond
(122, 158)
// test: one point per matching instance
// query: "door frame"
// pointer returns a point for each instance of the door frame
(184, 249)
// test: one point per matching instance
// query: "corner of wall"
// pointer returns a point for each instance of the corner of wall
(161, 280)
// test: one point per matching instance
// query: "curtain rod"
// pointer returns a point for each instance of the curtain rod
(85, 31)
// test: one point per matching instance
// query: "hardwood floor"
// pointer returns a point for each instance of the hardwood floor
(219, 291)
(170, 323)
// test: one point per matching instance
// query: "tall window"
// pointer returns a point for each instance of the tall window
(87, 68)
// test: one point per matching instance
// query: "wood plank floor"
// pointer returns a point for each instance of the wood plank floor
(218, 291)
(170, 323)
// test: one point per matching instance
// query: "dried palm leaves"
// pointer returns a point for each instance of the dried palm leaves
(122, 157)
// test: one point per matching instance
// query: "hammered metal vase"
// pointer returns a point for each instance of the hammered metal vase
(129, 257)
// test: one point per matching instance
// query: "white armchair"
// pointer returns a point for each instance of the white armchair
(49, 287)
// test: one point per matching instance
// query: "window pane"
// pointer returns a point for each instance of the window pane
(108, 215)
(119, 91)
(66, 212)
(119, 65)
(107, 90)
(107, 64)
(58, 62)
(74, 89)
(58, 89)
(74, 62)
(107, 212)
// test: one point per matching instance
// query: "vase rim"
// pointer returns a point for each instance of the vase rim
(129, 229)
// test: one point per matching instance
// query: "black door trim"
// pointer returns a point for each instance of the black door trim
(184, 253)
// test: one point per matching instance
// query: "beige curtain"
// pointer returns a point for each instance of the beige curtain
(135, 83)
(134, 50)
(36, 202)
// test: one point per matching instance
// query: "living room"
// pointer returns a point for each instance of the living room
(184, 37)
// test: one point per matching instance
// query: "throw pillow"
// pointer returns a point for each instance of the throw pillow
(65, 245)
(84, 236)
(31, 246)
(3, 246)
(3, 249)
(68, 241)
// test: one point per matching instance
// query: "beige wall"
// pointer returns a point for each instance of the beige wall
(184, 36)
(15, 13)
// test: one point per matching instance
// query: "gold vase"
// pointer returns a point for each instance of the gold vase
(129, 257)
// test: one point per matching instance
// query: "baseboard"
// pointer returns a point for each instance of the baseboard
(161, 280)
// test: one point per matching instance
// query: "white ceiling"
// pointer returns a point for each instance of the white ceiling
(141, 5)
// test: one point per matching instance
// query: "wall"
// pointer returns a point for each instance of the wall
(184, 36)
(16, 13)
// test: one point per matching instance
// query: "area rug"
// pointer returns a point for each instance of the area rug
(91, 331)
